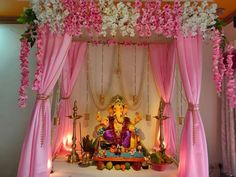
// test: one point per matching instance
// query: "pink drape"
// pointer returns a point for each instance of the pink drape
(228, 135)
(70, 72)
(35, 157)
(193, 147)
(163, 62)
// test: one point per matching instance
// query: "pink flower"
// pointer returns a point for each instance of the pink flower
(39, 55)
(24, 66)
(165, 21)
(231, 84)
(218, 60)
(85, 15)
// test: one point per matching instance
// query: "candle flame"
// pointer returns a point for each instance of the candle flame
(49, 165)
(67, 141)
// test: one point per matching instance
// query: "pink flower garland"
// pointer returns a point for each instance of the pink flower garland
(82, 15)
(166, 21)
(39, 55)
(146, 23)
(94, 18)
(71, 21)
(218, 60)
(231, 84)
(177, 15)
(24, 66)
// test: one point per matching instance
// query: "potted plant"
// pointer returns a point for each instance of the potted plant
(88, 147)
(160, 161)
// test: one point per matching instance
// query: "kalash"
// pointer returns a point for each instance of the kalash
(118, 138)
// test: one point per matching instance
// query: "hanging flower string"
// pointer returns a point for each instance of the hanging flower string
(107, 17)
(166, 21)
(218, 65)
(80, 16)
(120, 17)
(51, 12)
(148, 20)
(94, 19)
(24, 66)
(231, 84)
(177, 15)
(39, 56)
(198, 18)
(83, 15)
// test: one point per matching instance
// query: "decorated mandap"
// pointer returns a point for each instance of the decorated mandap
(173, 33)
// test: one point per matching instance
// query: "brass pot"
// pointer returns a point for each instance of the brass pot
(86, 156)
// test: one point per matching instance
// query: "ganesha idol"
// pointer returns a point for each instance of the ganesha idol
(117, 129)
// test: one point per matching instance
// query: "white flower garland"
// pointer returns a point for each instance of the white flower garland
(197, 17)
(51, 12)
(121, 17)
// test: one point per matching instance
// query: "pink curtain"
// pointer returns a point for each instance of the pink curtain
(35, 160)
(193, 147)
(163, 62)
(69, 74)
(228, 133)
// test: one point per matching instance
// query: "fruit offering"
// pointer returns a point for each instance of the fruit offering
(100, 165)
(109, 165)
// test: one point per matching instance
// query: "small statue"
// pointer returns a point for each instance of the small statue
(117, 128)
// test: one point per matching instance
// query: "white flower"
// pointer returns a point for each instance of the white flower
(197, 17)
(51, 12)
(120, 17)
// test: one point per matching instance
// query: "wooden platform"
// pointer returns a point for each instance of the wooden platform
(118, 159)
(63, 169)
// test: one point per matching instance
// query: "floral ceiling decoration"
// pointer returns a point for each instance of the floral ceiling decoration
(107, 18)
(198, 17)
(52, 13)
(120, 17)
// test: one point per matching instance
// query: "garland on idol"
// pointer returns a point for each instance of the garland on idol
(126, 19)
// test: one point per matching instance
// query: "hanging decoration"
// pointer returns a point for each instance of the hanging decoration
(223, 65)
(84, 17)
(198, 18)
(165, 21)
(27, 40)
(218, 60)
(52, 13)
(148, 115)
(86, 114)
(138, 95)
(135, 97)
(231, 83)
(109, 18)
(120, 17)
(102, 97)
(39, 58)
(96, 101)
(24, 66)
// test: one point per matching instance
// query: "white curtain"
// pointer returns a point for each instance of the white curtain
(110, 74)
